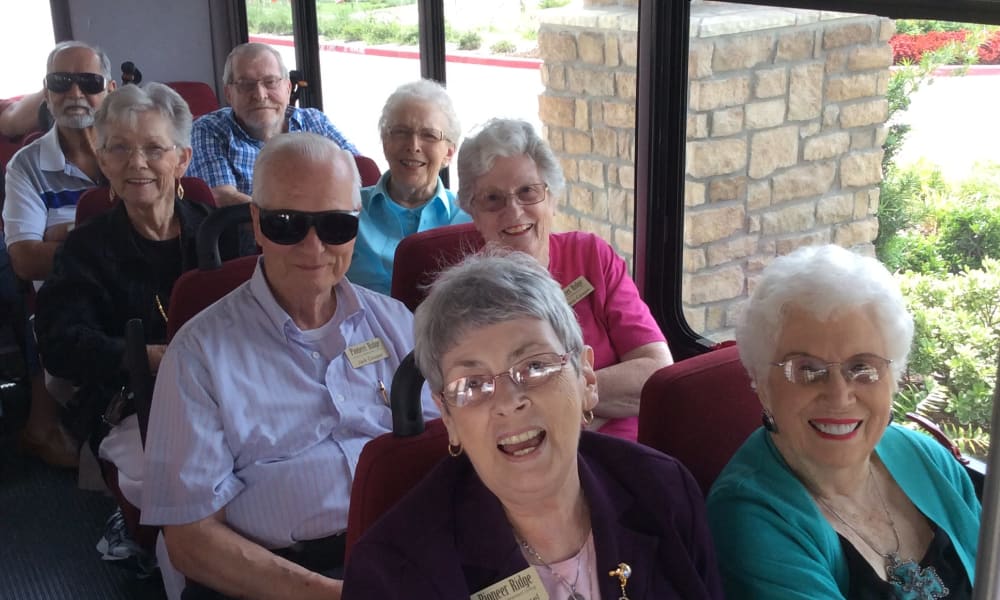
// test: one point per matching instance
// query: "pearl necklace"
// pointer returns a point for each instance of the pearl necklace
(573, 594)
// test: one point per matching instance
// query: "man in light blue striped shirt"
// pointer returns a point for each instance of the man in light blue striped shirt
(264, 400)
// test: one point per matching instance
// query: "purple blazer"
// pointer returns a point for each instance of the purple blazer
(449, 538)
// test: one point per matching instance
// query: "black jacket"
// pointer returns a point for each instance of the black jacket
(100, 280)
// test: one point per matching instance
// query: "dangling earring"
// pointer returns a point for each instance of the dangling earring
(111, 194)
(767, 419)
(455, 450)
(892, 416)
(180, 190)
(588, 417)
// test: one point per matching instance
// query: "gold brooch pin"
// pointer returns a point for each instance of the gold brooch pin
(623, 572)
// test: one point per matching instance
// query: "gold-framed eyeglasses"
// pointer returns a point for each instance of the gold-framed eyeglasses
(245, 86)
(429, 135)
(152, 152)
(532, 371)
(804, 369)
(496, 200)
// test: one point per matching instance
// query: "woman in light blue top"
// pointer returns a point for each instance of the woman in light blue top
(419, 128)
(829, 499)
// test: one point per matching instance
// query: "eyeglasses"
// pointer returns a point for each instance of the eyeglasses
(804, 369)
(398, 133)
(528, 373)
(245, 86)
(496, 200)
(89, 83)
(289, 227)
(152, 153)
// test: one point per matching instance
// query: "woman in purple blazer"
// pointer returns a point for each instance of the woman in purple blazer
(528, 503)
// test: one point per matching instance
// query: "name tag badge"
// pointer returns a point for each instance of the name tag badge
(526, 585)
(366, 353)
(578, 290)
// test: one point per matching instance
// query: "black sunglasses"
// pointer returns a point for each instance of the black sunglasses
(90, 83)
(288, 227)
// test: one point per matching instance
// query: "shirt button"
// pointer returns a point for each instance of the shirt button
(315, 354)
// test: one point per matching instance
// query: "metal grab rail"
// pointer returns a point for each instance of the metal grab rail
(988, 555)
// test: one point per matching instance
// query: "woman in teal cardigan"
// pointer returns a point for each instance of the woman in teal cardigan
(829, 499)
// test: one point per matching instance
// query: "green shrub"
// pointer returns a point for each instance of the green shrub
(503, 47)
(470, 40)
(552, 3)
(956, 341)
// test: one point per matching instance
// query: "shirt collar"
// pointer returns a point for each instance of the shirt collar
(380, 196)
(50, 153)
(348, 305)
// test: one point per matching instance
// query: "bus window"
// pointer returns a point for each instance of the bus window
(569, 68)
(30, 38)
(808, 127)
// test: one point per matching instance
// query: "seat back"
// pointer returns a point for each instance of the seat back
(211, 229)
(700, 411)
(368, 170)
(421, 256)
(97, 200)
(200, 96)
(196, 290)
(389, 467)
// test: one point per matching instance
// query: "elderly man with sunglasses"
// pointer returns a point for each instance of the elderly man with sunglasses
(264, 400)
(46, 178)
(227, 141)
(43, 183)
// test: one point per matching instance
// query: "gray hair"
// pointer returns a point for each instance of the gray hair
(501, 138)
(101, 56)
(251, 49)
(427, 91)
(306, 148)
(124, 105)
(822, 280)
(491, 287)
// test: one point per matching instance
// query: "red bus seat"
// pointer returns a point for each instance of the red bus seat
(368, 170)
(97, 200)
(200, 96)
(700, 411)
(389, 467)
(421, 256)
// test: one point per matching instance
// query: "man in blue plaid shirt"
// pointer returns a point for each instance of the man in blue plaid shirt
(226, 142)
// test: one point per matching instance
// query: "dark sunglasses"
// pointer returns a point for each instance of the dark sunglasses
(90, 83)
(288, 227)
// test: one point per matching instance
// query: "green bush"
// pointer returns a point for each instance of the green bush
(552, 3)
(503, 47)
(470, 40)
(956, 341)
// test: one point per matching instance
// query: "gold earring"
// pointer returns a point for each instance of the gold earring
(455, 450)
(588, 417)
(180, 190)
(111, 194)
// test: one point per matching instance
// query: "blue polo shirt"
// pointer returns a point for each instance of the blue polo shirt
(384, 223)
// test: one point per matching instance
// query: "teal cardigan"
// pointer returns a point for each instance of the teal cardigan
(772, 541)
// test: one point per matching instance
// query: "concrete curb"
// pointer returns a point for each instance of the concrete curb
(401, 52)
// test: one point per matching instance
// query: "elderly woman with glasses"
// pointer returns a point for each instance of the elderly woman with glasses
(419, 129)
(509, 180)
(529, 504)
(829, 499)
(122, 264)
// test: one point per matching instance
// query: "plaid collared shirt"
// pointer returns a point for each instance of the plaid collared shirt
(224, 153)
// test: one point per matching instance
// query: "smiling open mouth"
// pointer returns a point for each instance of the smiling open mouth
(522, 444)
(836, 429)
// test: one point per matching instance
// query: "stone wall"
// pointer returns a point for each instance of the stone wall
(786, 115)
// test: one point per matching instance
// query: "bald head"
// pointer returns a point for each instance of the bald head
(291, 158)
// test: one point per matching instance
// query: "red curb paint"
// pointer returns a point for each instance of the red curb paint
(473, 59)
